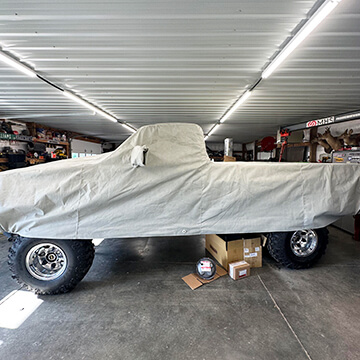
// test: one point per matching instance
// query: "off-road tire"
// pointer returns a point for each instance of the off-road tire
(278, 244)
(79, 254)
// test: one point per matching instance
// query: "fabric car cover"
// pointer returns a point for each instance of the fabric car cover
(178, 192)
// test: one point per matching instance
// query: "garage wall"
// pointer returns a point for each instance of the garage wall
(336, 130)
(15, 145)
(220, 146)
(81, 148)
(347, 222)
(17, 127)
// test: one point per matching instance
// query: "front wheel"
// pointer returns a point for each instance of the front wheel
(298, 249)
(50, 267)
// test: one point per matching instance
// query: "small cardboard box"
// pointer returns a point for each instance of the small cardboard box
(229, 158)
(228, 249)
(239, 270)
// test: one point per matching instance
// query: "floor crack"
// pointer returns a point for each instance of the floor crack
(285, 319)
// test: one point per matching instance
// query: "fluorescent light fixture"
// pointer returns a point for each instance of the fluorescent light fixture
(324, 10)
(108, 116)
(213, 129)
(17, 64)
(28, 71)
(241, 100)
(348, 117)
(97, 110)
(89, 106)
(80, 101)
(206, 137)
(128, 127)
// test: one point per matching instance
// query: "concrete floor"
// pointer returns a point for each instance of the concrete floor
(134, 305)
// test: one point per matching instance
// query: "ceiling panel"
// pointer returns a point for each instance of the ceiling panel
(177, 61)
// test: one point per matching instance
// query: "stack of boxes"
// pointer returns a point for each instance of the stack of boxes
(237, 254)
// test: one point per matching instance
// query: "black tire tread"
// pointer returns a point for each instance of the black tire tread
(275, 245)
(85, 253)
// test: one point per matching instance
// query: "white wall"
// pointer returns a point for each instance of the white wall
(85, 147)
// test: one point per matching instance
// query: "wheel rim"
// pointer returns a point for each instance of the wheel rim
(304, 242)
(46, 261)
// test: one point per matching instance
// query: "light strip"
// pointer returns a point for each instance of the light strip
(80, 101)
(241, 100)
(128, 127)
(324, 10)
(96, 109)
(213, 129)
(28, 71)
(347, 117)
(107, 116)
(17, 64)
(89, 106)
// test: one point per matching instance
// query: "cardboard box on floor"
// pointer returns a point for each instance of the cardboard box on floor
(228, 249)
(194, 281)
(239, 270)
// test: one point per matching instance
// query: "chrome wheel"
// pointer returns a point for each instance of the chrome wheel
(46, 261)
(304, 242)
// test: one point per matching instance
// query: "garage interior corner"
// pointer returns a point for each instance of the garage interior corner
(133, 304)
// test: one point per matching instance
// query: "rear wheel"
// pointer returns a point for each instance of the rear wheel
(50, 266)
(298, 249)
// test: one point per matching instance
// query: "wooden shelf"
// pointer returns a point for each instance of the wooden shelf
(298, 144)
(32, 161)
(50, 141)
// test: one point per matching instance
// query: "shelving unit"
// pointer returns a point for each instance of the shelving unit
(33, 132)
(12, 144)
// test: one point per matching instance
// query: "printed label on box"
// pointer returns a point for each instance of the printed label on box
(246, 250)
(257, 249)
(242, 272)
(251, 255)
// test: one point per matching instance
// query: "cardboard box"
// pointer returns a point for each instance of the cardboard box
(253, 252)
(194, 281)
(229, 158)
(228, 249)
(239, 270)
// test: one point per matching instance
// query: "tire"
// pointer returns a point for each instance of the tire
(50, 267)
(298, 249)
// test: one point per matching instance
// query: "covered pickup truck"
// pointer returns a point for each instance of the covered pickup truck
(161, 182)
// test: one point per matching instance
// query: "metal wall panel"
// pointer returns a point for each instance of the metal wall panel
(171, 61)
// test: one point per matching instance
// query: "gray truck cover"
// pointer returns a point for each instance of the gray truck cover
(179, 192)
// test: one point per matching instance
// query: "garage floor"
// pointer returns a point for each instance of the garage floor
(134, 305)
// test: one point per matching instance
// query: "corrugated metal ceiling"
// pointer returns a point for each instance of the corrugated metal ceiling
(177, 61)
